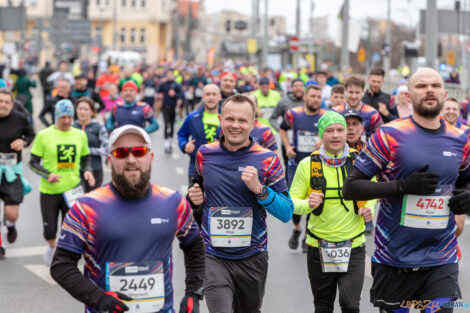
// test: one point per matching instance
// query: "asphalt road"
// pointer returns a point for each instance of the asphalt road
(26, 287)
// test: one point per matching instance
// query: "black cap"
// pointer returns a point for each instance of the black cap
(264, 81)
(352, 113)
(83, 76)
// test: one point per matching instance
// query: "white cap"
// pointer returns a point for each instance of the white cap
(402, 88)
(128, 129)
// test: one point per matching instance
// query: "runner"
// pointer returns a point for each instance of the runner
(354, 91)
(303, 122)
(131, 111)
(171, 94)
(336, 241)
(63, 92)
(267, 100)
(97, 138)
(121, 275)
(261, 133)
(236, 183)
(64, 151)
(451, 113)
(337, 96)
(15, 133)
(376, 98)
(423, 173)
(200, 127)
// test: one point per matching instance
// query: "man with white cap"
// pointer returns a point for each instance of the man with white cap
(125, 231)
(63, 151)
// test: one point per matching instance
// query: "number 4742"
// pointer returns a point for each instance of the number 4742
(426, 203)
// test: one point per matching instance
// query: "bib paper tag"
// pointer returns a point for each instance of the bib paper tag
(231, 227)
(72, 195)
(8, 159)
(142, 281)
(429, 212)
(149, 92)
(267, 111)
(306, 141)
(334, 256)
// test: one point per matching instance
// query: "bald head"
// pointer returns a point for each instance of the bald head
(427, 93)
(211, 97)
(424, 72)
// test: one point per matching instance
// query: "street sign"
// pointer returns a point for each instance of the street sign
(294, 43)
(361, 55)
(252, 45)
(447, 21)
(451, 57)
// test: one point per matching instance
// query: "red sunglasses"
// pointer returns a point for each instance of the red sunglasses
(137, 152)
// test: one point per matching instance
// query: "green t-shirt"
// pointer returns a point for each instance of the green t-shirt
(60, 152)
(335, 223)
(266, 105)
(211, 124)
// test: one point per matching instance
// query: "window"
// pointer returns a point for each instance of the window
(124, 3)
(133, 3)
(132, 35)
(143, 3)
(98, 30)
(107, 3)
(142, 35)
(123, 35)
(97, 2)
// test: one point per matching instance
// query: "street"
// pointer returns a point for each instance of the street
(26, 287)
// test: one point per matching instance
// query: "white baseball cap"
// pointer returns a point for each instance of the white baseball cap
(128, 129)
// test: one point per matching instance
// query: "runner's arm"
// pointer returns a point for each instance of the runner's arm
(299, 188)
(85, 164)
(42, 115)
(278, 204)
(275, 115)
(183, 134)
(65, 272)
(104, 143)
(28, 134)
(359, 186)
(36, 167)
(110, 122)
(194, 262)
(153, 125)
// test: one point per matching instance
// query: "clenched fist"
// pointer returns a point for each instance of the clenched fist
(251, 180)
(196, 195)
(315, 199)
(366, 214)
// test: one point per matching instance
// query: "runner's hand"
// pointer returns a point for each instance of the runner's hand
(315, 199)
(290, 152)
(419, 182)
(189, 304)
(460, 202)
(366, 214)
(189, 146)
(89, 178)
(251, 180)
(111, 302)
(53, 178)
(196, 195)
(17, 144)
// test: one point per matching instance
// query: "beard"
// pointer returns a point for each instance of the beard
(428, 112)
(127, 189)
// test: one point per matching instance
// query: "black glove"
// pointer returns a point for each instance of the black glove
(190, 304)
(111, 302)
(419, 183)
(460, 202)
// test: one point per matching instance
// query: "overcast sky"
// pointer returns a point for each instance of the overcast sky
(403, 11)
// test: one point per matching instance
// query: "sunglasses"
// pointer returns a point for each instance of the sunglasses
(137, 152)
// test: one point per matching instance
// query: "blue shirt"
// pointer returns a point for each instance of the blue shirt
(221, 172)
(395, 151)
(107, 228)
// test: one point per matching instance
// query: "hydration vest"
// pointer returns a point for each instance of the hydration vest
(318, 180)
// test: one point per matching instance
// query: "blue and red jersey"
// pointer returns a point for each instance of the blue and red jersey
(136, 114)
(298, 121)
(106, 228)
(220, 170)
(395, 151)
(264, 136)
(371, 118)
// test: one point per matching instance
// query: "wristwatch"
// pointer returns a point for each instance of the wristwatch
(263, 193)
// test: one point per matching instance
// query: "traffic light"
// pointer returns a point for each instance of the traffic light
(227, 26)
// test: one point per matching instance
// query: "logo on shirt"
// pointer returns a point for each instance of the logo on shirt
(241, 168)
(66, 156)
(210, 130)
(134, 112)
(157, 220)
(448, 154)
